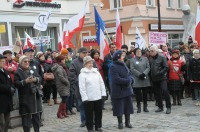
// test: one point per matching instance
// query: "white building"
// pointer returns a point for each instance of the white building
(20, 15)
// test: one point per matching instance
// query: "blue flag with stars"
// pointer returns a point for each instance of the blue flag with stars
(100, 25)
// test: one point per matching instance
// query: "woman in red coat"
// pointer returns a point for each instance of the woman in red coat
(175, 69)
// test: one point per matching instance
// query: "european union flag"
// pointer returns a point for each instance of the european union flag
(100, 25)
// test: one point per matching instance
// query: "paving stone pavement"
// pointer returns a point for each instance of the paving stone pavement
(185, 118)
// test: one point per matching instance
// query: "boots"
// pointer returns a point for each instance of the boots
(59, 113)
(139, 108)
(145, 108)
(56, 101)
(120, 124)
(179, 99)
(127, 121)
(64, 112)
(174, 99)
(49, 102)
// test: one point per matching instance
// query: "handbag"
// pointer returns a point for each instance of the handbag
(48, 76)
(179, 75)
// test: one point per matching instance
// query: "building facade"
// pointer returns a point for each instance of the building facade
(138, 13)
(20, 16)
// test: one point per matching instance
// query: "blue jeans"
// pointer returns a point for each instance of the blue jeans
(82, 110)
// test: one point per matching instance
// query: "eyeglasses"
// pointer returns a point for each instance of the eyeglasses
(151, 50)
(26, 61)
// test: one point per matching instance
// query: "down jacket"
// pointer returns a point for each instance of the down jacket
(61, 79)
(91, 85)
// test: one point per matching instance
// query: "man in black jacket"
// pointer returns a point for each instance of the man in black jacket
(6, 92)
(159, 68)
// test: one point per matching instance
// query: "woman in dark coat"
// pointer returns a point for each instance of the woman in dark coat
(6, 92)
(140, 69)
(27, 80)
(121, 90)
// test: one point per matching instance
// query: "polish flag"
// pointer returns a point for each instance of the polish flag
(104, 48)
(29, 43)
(118, 32)
(197, 30)
(75, 24)
(67, 40)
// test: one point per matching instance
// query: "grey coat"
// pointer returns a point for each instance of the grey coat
(139, 66)
(61, 79)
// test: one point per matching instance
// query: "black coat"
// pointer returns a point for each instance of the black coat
(120, 80)
(194, 69)
(158, 68)
(29, 101)
(6, 103)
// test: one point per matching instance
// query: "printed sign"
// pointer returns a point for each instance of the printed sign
(3, 48)
(45, 40)
(158, 37)
(90, 41)
(2, 29)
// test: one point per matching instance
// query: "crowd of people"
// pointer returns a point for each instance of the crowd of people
(85, 81)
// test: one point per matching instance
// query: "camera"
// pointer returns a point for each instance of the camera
(101, 5)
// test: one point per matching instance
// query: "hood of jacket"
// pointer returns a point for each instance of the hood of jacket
(86, 70)
(55, 66)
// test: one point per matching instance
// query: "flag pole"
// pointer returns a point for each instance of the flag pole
(1, 40)
(107, 35)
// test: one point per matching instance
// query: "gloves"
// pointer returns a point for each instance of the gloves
(12, 91)
(85, 102)
(142, 76)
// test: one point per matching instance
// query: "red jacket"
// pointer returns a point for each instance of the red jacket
(177, 64)
(99, 63)
(14, 66)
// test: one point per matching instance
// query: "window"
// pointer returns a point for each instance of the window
(21, 30)
(170, 3)
(150, 2)
(174, 39)
(115, 4)
(180, 4)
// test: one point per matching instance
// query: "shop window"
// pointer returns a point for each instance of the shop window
(114, 4)
(180, 4)
(170, 3)
(174, 39)
(150, 2)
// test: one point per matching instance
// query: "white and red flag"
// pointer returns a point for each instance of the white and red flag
(197, 30)
(118, 31)
(75, 24)
(29, 43)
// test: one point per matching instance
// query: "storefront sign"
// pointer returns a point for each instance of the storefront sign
(2, 29)
(158, 37)
(90, 41)
(21, 3)
(3, 48)
(166, 27)
(45, 40)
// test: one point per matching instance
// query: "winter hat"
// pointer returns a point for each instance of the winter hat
(39, 54)
(87, 59)
(7, 52)
(117, 55)
(64, 51)
(28, 50)
(135, 50)
(21, 59)
(124, 47)
(176, 51)
(195, 51)
(82, 49)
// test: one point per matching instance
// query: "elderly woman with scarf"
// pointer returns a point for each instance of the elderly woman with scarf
(121, 89)
(62, 84)
(27, 80)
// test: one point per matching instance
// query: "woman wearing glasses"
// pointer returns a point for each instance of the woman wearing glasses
(27, 80)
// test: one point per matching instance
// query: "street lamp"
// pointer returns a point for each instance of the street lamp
(159, 19)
